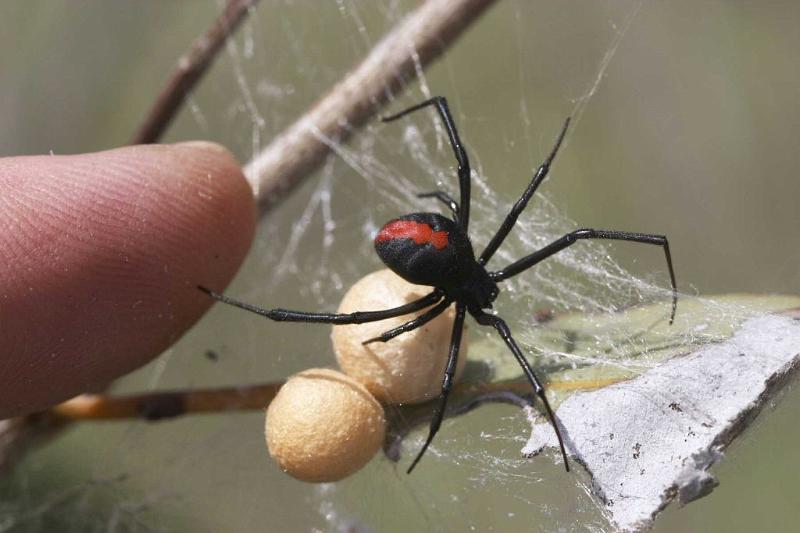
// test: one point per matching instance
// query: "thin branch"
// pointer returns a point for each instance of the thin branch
(191, 68)
(413, 44)
(169, 404)
(160, 405)
(22, 434)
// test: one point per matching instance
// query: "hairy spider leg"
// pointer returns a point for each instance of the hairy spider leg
(445, 198)
(571, 238)
(485, 319)
(520, 205)
(421, 320)
(440, 103)
(447, 382)
(359, 317)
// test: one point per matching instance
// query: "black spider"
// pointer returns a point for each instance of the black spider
(430, 249)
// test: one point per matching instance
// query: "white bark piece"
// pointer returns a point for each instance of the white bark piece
(652, 438)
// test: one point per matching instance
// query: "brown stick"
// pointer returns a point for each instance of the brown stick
(159, 405)
(191, 67)
(414, 43)
(19, 435)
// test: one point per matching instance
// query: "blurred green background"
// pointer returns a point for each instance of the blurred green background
(690, 132)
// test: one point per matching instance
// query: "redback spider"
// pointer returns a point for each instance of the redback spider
(430, 249)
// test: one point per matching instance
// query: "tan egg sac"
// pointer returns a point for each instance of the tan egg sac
(323, 426)
(408, 368)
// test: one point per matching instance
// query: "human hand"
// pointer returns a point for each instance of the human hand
(100, 256)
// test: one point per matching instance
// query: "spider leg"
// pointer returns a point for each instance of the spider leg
(520, 205)
(447, 383)
(421, 320)
(358, 317)
(443, 197)
(440, 103)
(499, 324)
(571, 238)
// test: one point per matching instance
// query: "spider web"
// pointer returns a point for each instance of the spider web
(212, 473)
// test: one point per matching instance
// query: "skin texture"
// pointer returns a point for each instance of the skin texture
(100, 255)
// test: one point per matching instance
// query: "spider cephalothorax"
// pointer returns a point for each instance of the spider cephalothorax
(430, 249)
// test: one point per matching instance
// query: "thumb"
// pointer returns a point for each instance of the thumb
(100, 256)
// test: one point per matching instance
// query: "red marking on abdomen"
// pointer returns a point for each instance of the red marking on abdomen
(420, 232)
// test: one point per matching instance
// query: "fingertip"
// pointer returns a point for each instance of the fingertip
(105, 252)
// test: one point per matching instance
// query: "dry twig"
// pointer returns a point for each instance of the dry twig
(413, 44)
(190, 70)
(169, 404)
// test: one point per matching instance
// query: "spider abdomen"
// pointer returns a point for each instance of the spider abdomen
(426, 249)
